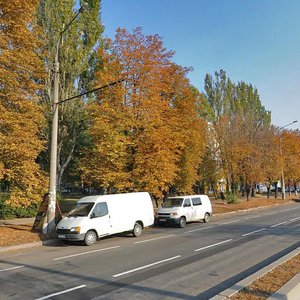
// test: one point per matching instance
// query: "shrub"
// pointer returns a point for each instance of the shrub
(9, 212)
(231, 198)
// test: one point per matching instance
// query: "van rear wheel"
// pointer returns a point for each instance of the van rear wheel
(206, 218)
(137, 229)
(90, 238)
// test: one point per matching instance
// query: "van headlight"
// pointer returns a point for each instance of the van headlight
(173, 214)
(75, 229)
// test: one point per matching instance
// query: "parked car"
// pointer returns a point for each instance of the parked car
(182, 209)
(102, 215)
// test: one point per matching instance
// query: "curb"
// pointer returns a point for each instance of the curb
(248, 280)
(290, 291)
(29, 245)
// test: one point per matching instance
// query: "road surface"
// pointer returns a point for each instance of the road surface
(195, 262)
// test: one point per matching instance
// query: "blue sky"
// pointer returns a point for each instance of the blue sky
(256, 41)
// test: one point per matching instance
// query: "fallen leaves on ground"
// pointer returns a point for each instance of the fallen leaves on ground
(265, 286)
(17, 234)
(252, 203)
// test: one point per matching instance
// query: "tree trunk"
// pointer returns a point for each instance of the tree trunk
(248, 190)
(276, 189)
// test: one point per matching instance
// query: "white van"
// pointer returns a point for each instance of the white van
(182, 209)
(98, 216)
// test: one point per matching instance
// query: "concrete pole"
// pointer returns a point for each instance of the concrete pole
(49, 226)
(282, 171)
(281, 155)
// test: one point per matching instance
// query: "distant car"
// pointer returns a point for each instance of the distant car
(181, 209)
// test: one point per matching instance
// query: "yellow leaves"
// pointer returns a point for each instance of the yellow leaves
(146, 132)
(21, 117)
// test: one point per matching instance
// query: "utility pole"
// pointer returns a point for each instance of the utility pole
(281, 155)
(49, 226)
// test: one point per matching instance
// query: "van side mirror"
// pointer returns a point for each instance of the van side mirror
(93, 215)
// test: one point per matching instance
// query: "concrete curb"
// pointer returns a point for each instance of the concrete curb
(290, 291)
(248, 280)
(29, 245)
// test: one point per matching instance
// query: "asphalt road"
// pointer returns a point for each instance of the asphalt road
(195, 262)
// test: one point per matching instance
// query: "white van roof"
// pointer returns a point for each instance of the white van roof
(187, 196)
(95, 198)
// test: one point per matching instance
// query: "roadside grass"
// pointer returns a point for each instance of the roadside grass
(263, 287)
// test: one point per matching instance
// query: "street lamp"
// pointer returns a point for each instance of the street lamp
(49, 226)
(281, 154)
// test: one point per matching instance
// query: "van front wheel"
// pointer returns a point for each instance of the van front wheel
(182, 222)
(90, 238)
(137, 229)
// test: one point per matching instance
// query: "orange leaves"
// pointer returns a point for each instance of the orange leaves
(290, 149)
(21, 118)
(142, 129)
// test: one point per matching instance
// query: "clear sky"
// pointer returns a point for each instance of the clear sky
(256, 41)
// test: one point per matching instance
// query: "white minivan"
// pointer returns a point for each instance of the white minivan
(182, 209)
(98, 216)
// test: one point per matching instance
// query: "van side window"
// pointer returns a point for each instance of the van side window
(196, 201)
(100, 210)
(187, 203)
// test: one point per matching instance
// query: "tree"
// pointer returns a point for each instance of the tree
(143, 122)
(194, 136)
(290, 154)
(21, 118)
(238, 119)
(105, 161)
(77, 63)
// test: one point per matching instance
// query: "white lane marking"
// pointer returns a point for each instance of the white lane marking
(199, 229)
(210, 246)
(154, 239)
(278, 224)
(84, 253)
(272, 213)
(286, 209)
(257, 216)
(230, 222)
(62, 292)
(147, 266)
(255, 231)
(295, 219)
(13, 268)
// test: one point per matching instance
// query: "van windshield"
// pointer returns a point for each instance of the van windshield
(81, 210)
(173, 202)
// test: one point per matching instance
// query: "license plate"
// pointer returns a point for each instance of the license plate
(61, 236)
(162, 220)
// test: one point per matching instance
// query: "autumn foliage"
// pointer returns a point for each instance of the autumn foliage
(21, 117)
(146, 132)
(152, 131)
